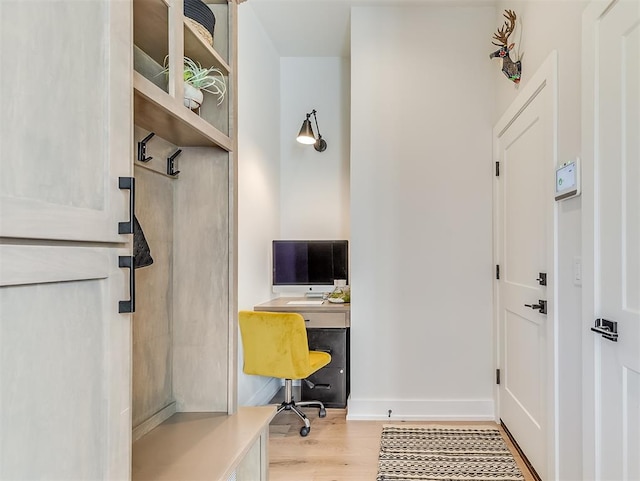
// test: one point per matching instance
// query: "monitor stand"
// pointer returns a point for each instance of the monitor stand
(317, 295)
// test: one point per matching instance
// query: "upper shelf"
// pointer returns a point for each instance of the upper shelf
(151, 27)
(158, 112)
(196, 49)
(156, 108)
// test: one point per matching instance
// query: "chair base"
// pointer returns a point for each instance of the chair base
(290, 405)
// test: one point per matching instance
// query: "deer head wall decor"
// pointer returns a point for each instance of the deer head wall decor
(513, 70)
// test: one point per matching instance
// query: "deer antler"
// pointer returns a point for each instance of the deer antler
(502, 35)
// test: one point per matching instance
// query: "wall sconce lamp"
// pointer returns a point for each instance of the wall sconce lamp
(306, 134)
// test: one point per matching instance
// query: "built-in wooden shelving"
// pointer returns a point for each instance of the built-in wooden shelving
(208, 437)
(157, 111)
(151, 32)
(196, 49)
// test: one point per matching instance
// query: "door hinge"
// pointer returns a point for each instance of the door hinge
(497, 271)
(497, 169)
(498, 376)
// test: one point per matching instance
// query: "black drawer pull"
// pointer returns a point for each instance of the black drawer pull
(128, 183)
(326, 387)
(130, 305)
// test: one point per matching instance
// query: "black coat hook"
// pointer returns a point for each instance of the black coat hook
(171, 164)
(142, 148)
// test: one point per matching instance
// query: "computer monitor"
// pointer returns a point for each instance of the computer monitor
(309, 266)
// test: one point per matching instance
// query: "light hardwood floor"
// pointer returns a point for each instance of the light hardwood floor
(334, 450)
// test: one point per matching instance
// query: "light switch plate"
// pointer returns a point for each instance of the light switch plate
(577, 271)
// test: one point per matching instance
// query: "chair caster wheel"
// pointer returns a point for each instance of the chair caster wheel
(322, 413)
(304, 430)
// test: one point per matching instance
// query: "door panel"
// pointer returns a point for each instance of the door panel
(523, 345)
(64, 358)
(612, 217)
(524, 143)
(66, 123)
(65, 119)
(631, 423)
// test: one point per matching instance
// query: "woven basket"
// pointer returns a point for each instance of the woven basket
(203, 32)
(201, 18)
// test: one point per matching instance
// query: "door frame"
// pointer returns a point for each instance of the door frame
(546, 77)
(589, 19)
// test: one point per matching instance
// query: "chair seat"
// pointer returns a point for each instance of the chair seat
(317, 360)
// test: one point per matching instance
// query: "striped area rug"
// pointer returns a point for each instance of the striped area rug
(437, 452)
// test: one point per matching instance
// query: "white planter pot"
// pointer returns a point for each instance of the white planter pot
(193, 97)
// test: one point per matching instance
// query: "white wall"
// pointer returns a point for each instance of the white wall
(423, 107)
(547, 26)
(315, 185)
(422, 112)
(258, 177)
(286, 190)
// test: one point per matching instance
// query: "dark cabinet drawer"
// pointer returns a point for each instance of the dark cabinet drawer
(332, 381)
(330, 387)
(333, 341)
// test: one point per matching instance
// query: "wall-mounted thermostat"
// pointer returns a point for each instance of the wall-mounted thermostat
(568, 179)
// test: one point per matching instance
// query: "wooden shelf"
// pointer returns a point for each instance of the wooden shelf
(157, 111)
(199, 446)
(197, 49)
(151, 20)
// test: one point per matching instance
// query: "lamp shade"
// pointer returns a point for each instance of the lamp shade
(306, 133)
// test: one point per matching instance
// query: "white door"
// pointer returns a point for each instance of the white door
(524, 145)
(65, 139)
(612, 238)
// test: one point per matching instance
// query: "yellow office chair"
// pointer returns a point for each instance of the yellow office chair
(275, 345)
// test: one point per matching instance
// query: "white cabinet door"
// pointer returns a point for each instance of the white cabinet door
(65, 121)
(65, 139)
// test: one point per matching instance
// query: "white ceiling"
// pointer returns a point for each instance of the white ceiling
(320, 28)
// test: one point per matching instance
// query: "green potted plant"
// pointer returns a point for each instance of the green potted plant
(197, 79)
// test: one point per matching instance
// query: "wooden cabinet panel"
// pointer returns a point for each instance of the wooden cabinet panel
(66, 119)
(64, 364)
(66, 122)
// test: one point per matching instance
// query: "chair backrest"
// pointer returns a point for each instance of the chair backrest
(274, 344)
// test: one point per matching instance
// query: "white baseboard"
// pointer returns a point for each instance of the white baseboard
(266, 393)
(420, 410)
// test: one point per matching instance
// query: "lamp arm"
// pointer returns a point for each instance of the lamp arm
(315, 117)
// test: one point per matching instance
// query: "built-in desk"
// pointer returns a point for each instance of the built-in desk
(327, 330)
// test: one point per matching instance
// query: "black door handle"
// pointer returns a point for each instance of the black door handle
(128, 183)
(608, 329)
(130, 305)
(541, 306)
